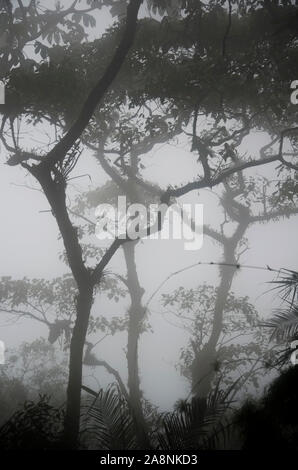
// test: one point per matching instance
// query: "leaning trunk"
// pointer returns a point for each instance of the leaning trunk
(203, 366)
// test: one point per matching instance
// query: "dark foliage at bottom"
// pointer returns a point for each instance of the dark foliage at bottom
(272, 423)
(36, 426)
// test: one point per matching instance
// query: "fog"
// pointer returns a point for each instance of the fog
(32, 248)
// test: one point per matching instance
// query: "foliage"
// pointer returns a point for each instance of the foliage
(33, 23)
(13, 393)
(193, 425)
(52, 302)
(284, 323)
(36, 426)
(39, 369)
(188, 48)
(242, 342)
(272, 422)
(107, 422)
(205, 48)
(31, 370)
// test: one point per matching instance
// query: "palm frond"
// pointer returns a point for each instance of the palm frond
(107, 423)
(284, 323)
(219, 436)
(188, 427)
(287, 284)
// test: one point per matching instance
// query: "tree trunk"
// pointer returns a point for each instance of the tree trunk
(203, 366)
(72, 417)
(136, 315)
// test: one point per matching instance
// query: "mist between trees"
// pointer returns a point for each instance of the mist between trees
(166, 104)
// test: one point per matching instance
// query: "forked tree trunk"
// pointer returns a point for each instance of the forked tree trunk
(54, 188)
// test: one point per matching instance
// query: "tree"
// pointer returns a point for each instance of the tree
(217, 77)
(212, 314)
(51, 173)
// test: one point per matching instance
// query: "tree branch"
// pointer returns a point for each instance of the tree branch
(59, 151)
